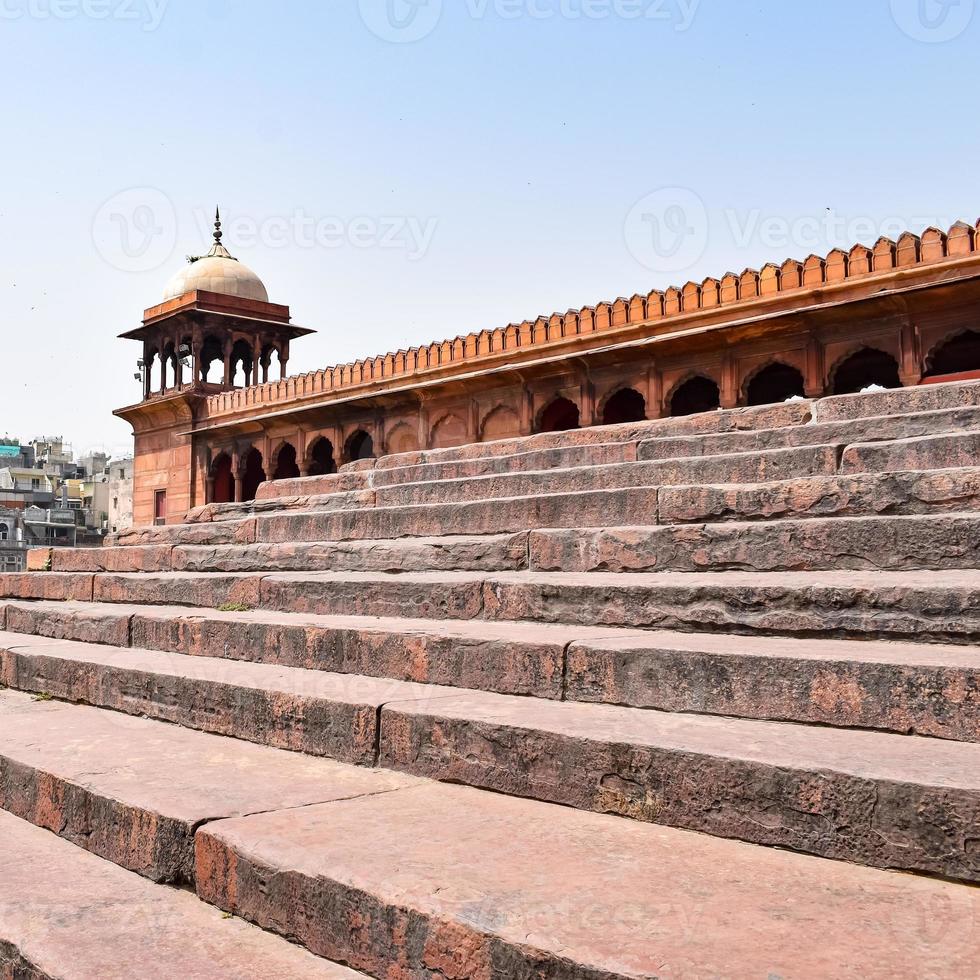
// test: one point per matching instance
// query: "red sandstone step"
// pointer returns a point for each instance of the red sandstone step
(136, 791)
(899, 401)
(891, 686)
(338, 500)
(730, 420)
(925, 606)
(847, 495)
(749, 468)
(447, 553)
(490, 886)
(930, 606)
(219, 532)
(640, 764)
(874, 429)
(68, 914)
(946, 541)
(321, 714)
(960, 449)
(889, 801)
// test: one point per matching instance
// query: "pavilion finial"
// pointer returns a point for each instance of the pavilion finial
(217, 226)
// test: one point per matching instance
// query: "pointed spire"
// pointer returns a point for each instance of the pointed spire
(217, 249)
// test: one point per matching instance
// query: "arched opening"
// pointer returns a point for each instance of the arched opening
(958, 355)
(253, 475)
(4, 532)
(322, 462)
(863, 369)
(154, 370)
(359, 446)
(627, 405)
(561, 415)
(211, 351)
(271, 364)
(449, 431)
(403, 439)
(223, 491)
(286, 466)
(241, 364)
(502, 423)
(775, 383)
(696, 395)
(168, 368)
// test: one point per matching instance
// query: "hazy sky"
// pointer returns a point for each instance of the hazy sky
(400, 172)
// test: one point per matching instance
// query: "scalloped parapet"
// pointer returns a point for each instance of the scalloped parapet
(751, 286)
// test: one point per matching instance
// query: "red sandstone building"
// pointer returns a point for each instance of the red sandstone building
(900, 313)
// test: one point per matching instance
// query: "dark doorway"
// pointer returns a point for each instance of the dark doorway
(695, 396)
(252, 474)
(627, 405)
(286, 468)
(224, 482)
(359, 446)
(322, 462)
(773, 384)
(865, 368)
(560, 416)
(957, 356)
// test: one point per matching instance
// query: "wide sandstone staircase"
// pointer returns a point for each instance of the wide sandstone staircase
(692, 698)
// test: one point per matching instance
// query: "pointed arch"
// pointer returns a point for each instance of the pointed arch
(862, 368)
(559, 415)
(772, 383)
(957, 353)
(624, 405)
(697, 394)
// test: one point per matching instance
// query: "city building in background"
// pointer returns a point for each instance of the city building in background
(50, 498)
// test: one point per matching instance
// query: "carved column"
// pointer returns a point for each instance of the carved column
(729, 382)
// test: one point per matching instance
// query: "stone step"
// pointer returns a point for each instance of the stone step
(491, 886)
(726, 420)
(846, 495)
(907, 688)
(946, 541)
(779, 464)
(310, 711)
(889, 801)
(923, 606)
(764, 467)
(337, 500)
(899, 401)
(65, 913)
(874, 429)
(447, 553)
(384, 875)
(884, 800)
(961, 449)
(926, 606)
(135, 792)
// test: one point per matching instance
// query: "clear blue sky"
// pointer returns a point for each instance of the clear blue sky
(520, 142)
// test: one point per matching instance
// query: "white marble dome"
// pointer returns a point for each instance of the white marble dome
(217, 272)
